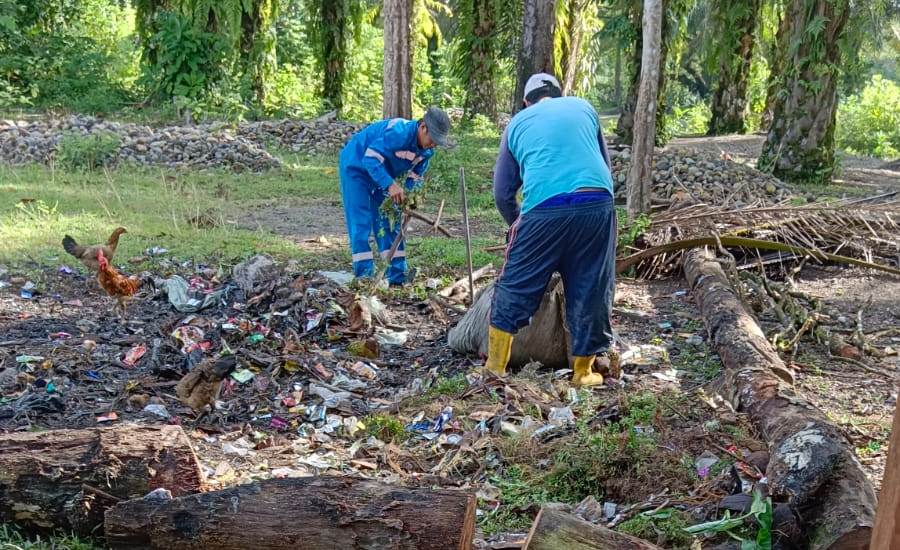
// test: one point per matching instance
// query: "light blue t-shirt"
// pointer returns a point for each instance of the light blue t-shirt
(555, 143)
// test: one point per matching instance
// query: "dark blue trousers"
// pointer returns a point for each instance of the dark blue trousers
(579, 242)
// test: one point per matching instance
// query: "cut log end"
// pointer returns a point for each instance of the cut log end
(555, 529)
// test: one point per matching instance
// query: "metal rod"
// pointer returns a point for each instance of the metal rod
(465, 210)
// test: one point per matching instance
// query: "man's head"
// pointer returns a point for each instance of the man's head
(541, 86)
(434, 129)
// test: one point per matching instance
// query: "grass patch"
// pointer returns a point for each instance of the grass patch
(666, 524)
(444, 254)
(700, 365)
(11, 538)
(450, 387)
(384, 427)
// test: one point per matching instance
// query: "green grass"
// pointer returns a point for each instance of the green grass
(667, 524)
(451, 387)
(200, 214)
(11, 539)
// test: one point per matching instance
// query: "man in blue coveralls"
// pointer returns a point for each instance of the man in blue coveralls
(369, 164)
(554, 150)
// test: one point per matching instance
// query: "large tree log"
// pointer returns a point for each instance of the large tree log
(64, 479)
(811, 465)
(311, 513)
(554, 529)
(545, 340)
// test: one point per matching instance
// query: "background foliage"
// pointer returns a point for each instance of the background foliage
(247, 59)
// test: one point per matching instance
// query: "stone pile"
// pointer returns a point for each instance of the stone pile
(309, 136)
(240, 148)
(691, 176)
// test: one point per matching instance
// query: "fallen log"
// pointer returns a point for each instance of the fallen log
(311, 513)
(545, 340)
(65, 479)
(554, 529)
(811, 465)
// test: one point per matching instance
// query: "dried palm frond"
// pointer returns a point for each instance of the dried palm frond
(853, 229)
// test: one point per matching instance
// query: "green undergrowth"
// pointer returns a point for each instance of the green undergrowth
(620, 461)
(12, 539)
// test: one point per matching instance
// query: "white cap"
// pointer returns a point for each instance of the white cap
(538, 80)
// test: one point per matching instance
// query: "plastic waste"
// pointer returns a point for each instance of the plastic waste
(340, 277)
(157, 410)
(704, 462)
(242, 376)
(184, 299)
(561, 415)
(134, 355)
(388, 337)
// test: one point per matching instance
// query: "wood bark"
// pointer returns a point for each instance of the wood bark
(800, 141)
(65, 479)
(481, 97)
(536, 51)
(333, 24)
(398, 52)
(737, 19)
(640, 175)
(311, 513)
(812, 466)
(574, 38)
(554, 529)
(887, 521)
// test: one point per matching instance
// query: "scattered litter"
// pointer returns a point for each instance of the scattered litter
(185, 299)
(365, 370)
(109, 417)
(242, 376)
(561, 415)
(644, 354)
(667, 375)
(156, 251)
(704, 462)
(255, 271)
(158, 410)
(65, 270)
(679, 293)
(59, 335)
(26, 294)
(189, 336)
(29, 286)
(134, 355)
(432, 284)
(340, 277)
(388, 337)
(665, 325)
(240, 447)
(29, 358)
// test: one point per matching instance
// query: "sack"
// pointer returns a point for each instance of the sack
(546, 339)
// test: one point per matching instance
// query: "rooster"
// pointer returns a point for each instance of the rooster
(114, 283)
(201, 386)
(88, 255)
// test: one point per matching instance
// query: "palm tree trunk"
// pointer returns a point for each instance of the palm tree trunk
(398, 52)
(481, 97)
(800, 142)
(729, 103)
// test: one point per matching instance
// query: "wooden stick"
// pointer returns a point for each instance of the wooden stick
(422, 217)
(887, 520)
(465, 210)
(437, 219)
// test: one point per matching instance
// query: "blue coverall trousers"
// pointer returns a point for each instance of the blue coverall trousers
(579, 242)
(362, 212)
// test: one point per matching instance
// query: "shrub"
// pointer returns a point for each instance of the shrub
(869, 122)
(87, 151)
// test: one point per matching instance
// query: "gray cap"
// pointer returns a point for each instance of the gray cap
(538, 80)
(438, 124)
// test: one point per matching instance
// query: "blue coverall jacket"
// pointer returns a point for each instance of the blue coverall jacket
(369, 163)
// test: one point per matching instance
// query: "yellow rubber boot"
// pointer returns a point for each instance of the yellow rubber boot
(583, 375)
(499, 350)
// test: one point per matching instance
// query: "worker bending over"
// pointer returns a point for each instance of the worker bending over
(369, 163)
(554, 150)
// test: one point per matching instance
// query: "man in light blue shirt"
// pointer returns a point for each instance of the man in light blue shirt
(554, 151)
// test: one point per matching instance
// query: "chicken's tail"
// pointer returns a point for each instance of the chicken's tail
(71, 246)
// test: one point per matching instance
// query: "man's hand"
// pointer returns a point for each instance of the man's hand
(396, 193)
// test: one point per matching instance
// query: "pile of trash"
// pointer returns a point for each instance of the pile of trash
(690, 176)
